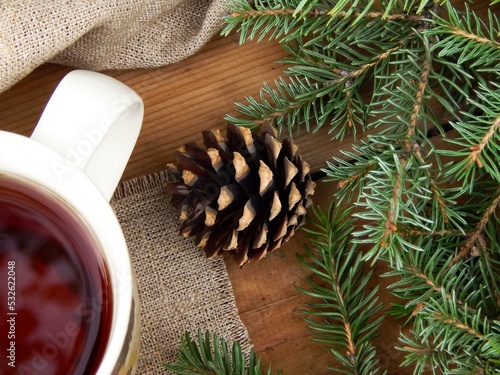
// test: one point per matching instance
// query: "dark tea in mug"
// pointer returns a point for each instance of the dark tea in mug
(55, 292)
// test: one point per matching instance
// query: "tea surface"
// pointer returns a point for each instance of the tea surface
(55, 296)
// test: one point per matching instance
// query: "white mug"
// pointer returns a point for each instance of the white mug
(77, 154)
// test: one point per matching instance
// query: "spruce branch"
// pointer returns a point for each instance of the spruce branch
(415, 84)
(329, 61)
(450, 307)
(277, 19)
(417, 107)
(478, 148)
(475, 239)
(424, 356)
(347, 324)
(479, 137)
(468, 36)
(280, 106)
(452, 341)
(314, 13)
(210, 355)
(391, 208)
(466, 337)
(431, 273)
(306, 5)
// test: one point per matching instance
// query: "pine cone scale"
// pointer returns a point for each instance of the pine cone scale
(266, 178)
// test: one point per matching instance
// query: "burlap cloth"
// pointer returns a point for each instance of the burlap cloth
(179, 289)
(102, 34)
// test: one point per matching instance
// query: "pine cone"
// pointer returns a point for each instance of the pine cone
(246, 195)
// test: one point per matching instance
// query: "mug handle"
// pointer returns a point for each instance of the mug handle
(93, 121)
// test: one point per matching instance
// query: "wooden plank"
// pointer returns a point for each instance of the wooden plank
(280, 337)
(181, 100)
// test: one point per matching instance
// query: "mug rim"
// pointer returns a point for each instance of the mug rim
(27, 159)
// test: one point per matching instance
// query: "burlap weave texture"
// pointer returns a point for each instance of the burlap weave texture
(102, 34)
(179, 289)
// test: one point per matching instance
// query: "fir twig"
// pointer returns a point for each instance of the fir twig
(347, 314)
(476, 235)
(427, 206)
(210, 355)
(326, 73)
(278, 19)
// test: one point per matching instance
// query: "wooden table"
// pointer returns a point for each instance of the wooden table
(182, 100)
